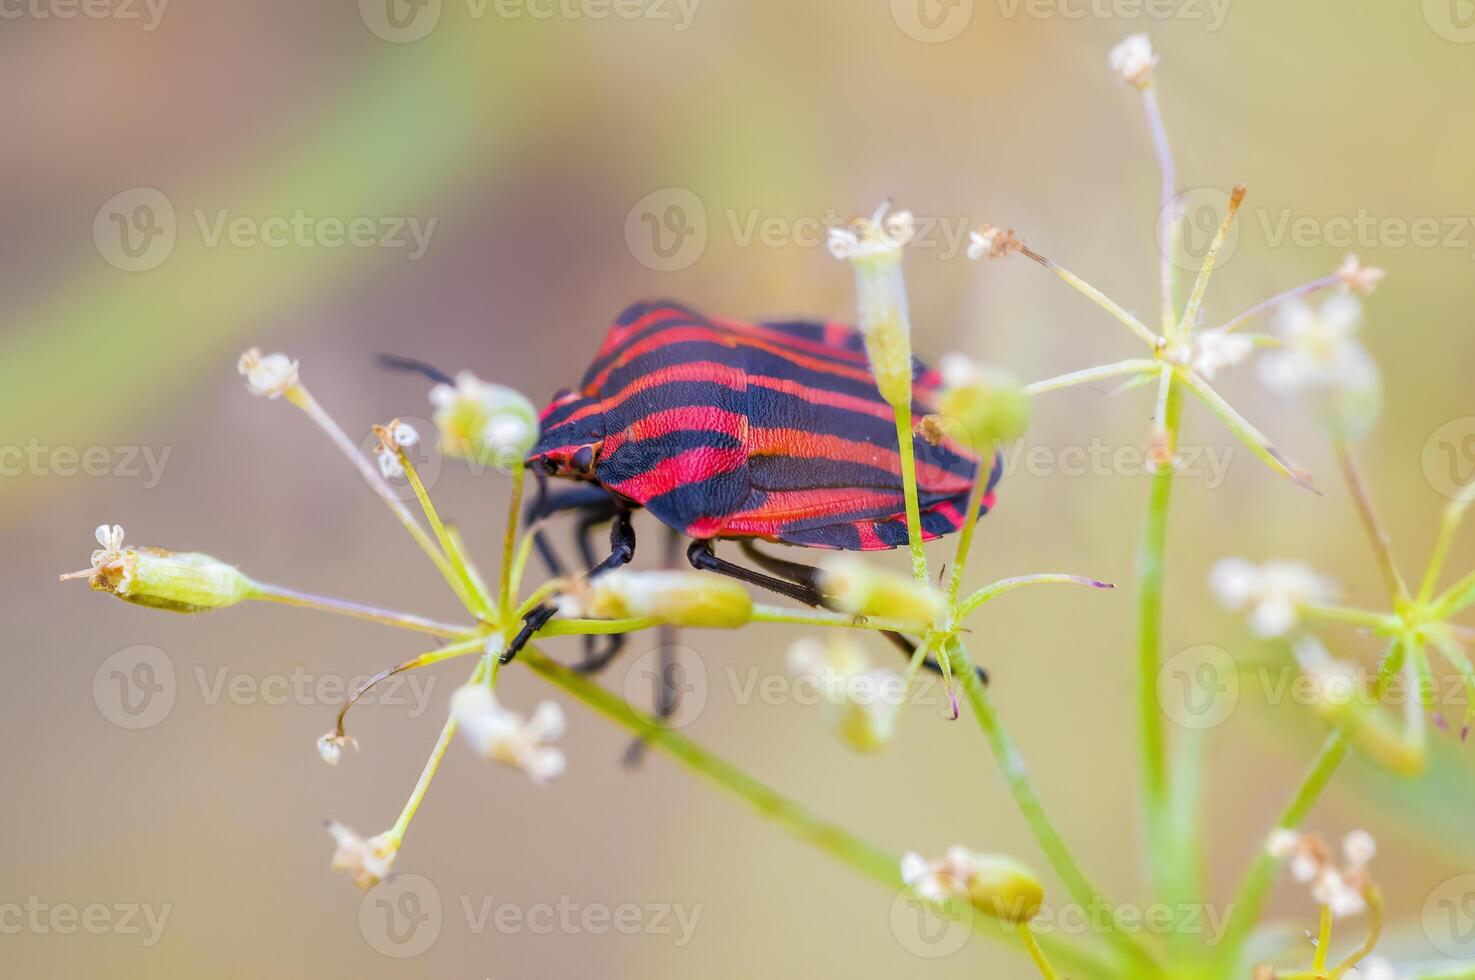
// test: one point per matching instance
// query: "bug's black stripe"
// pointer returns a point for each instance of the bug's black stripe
(749, 359)
(631, 459)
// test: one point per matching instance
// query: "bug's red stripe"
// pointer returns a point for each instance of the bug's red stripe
(810, 445)
(781, 507)
(659, 314)
(677, 335)
(680, 469)
(686, 419)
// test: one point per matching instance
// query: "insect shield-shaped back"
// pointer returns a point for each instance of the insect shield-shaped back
(572, 432)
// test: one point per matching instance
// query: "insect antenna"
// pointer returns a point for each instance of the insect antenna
(397, 363)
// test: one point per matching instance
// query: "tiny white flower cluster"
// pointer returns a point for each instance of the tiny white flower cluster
(1134, 60)
(881, 233)
(1342, 890)
(110, 562)
(269, 376)
(1273, 592)
(504, 736)
(1320, 347)
(331, 746)
(397, 435)
(992, 242)
(1211, 351)
(941, 878)
(861, 699)
(367, 862)
(1355, 276)
(479, 420)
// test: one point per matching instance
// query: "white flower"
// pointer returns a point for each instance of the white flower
(1213, 350)
(366, 861)
(271, 376)
(1134, 60)
(331, 745)
(504, 736)
(879, 234)
(110, 537)
(860, 700)
(1273, 592)
(940, 879)
(393, 438)
(993, 884)
(1340, 890)
(1320, 347)
(481, 421)
(389, 464)
(1356, 276)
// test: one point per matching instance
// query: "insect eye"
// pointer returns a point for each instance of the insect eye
(583, 460)
(549, 466)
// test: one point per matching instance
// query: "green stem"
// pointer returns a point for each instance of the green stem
(427, 774)
(1323, 942)
(509, 546)
(909, 486)
(479, 601)
(1168, 876)
(990, 592)
(986, 457)
(1016, 775)
(1042, 962)
(1087, 376)
(357, 610)
(859, 854)
(763, 613)
(1377, 535)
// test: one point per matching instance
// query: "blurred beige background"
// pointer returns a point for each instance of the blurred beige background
(535, 145)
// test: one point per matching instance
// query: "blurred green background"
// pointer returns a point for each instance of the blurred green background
(573, 164)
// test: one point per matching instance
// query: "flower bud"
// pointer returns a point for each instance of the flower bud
(858, 587)
(873, 247)
(993, 884)
(178, 582)
(488, 424)
(986, 400)
(678, 598)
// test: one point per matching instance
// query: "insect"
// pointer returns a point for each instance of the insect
(723, 429)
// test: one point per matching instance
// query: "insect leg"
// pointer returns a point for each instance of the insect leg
(397, 363)
(581, 497)
(622, 549)
(701, 556)
(795, 576)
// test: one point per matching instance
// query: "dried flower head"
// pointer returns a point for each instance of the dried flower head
(367, 862)
(1355, 276)
(504, 736)
(1133, 59)
(1274, 592)
(878, 234)
(270, 376)
(394, 438)
(992, 242)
